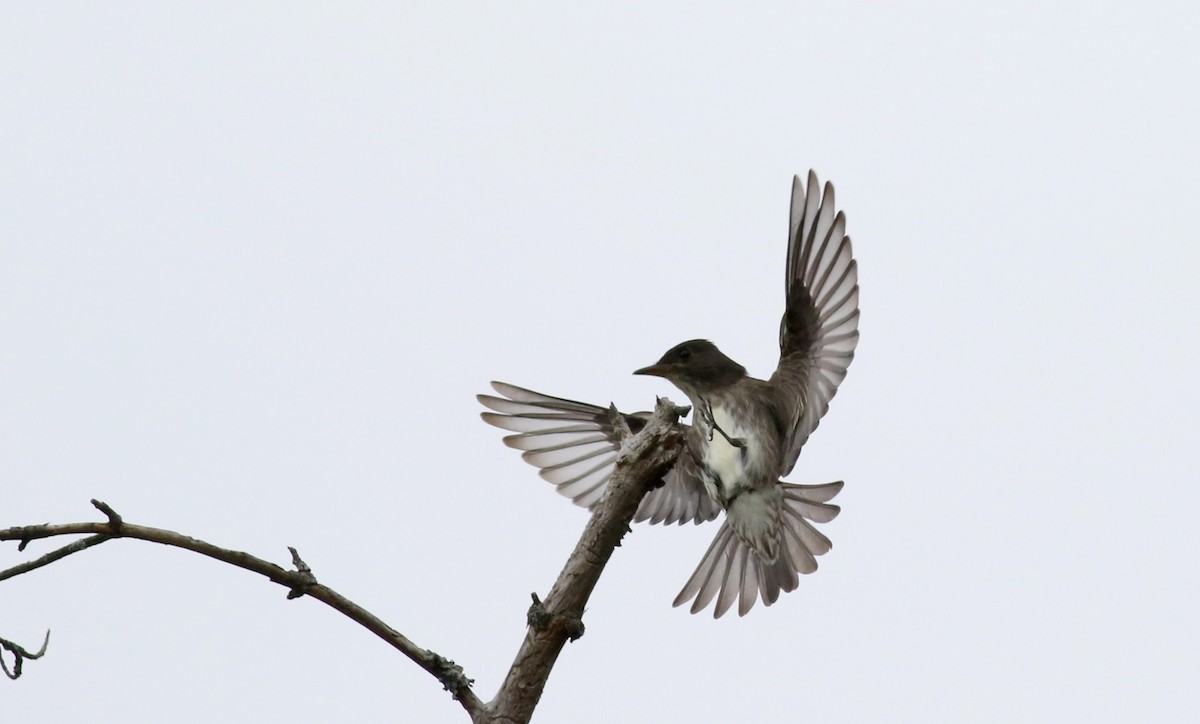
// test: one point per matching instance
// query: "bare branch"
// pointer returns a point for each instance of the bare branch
(299, 582)
(19, 654)
(641, 464)
(74, 547)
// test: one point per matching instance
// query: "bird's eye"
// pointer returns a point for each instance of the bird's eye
(685, 354)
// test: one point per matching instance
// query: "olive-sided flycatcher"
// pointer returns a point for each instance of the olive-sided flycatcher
(745, 435)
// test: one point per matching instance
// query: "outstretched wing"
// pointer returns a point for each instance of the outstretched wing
(575, 446)
(819, 330)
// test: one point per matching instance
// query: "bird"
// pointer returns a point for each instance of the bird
(745, 433)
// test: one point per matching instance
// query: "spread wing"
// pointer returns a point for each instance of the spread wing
(819, 330)
(575, 446)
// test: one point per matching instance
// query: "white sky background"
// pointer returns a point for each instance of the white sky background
(257, 259)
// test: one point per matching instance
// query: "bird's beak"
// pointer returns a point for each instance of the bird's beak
(658, 370)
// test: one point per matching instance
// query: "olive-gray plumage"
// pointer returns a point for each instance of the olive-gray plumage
(746, 433)
(737, 442)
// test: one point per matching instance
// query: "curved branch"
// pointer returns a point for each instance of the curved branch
(299, 582)
(19, 654)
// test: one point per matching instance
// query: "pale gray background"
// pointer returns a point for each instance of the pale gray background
(257, 259)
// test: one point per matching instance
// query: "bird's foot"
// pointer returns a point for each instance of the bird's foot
(707, 418)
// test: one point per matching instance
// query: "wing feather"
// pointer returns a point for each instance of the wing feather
(819, 330)
(574, 445)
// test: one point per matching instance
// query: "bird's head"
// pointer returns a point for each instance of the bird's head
(696, 366)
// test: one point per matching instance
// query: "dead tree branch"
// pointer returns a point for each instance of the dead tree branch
(643, 461)
(641, 465)
(299, 582)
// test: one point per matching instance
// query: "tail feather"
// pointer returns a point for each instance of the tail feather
(732, 570)
(802, 558)
(812, 493)
(706, 580)
(735, 573)
(818, 512)
(810, 537)
(751, 578)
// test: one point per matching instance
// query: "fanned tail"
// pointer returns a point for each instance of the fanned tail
(731, 569)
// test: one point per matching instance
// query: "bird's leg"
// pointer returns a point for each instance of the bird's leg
(704, 409)
(735, 441)
(706, 416)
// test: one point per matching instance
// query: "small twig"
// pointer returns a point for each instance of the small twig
(25, 541)
(308, 580)
(540, 619)
(537, 617)
(19, 655)
(114, 519)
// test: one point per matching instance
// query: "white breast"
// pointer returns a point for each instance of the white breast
(724, 459)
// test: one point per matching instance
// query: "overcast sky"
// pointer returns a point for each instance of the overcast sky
(256, 259)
